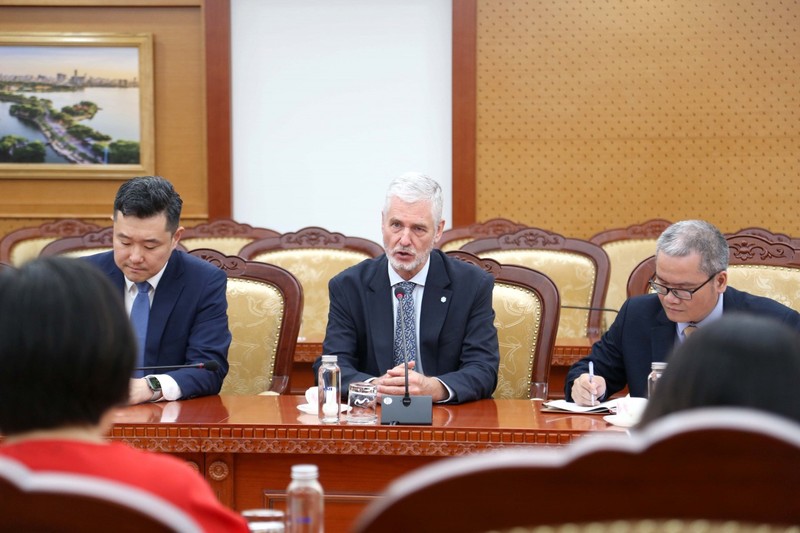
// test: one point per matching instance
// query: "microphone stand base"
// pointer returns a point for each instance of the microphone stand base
(419, 412)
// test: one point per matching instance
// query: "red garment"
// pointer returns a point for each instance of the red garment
(159, 474)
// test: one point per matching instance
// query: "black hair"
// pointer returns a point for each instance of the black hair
(67, 349)
(148, 196)
(739, 360)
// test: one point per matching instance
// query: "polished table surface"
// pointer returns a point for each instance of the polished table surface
(566, 351)
(245, 445)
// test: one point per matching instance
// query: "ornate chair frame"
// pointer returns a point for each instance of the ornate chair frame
(238, 268)
(549, 301)
(309, 238)
(540, 239)
(44, 234)
(454, 238)
(745, 249)
(216, 234)
(643, 483)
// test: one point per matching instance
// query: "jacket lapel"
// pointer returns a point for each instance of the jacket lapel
(379, 315)
(435, 305)
(169, 290)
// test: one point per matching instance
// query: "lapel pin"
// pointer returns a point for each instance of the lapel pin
(444, 299)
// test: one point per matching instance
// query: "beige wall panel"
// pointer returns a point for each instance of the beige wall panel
(179, 108)
(602, 114)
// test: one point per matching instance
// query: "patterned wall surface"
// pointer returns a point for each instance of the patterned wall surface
(597, 114)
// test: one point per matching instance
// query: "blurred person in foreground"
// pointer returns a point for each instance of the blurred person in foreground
(690, 292)
(67, 351)
(186, 303)
(453, 345)
(741, 361)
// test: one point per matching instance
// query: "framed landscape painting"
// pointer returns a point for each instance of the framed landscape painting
(76, 105)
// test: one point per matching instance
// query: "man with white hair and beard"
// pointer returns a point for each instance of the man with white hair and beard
(451, 341)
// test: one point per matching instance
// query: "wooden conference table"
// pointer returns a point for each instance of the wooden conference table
(566, 351)
(245, 445)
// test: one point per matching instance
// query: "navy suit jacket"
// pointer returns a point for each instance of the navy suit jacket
(188, 320)
(458, 339)
(642, 333)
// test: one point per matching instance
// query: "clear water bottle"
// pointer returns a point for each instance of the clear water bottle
(329, 382)
(305, 501)
(656, 369)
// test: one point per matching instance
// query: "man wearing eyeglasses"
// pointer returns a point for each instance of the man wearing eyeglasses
(690, 289)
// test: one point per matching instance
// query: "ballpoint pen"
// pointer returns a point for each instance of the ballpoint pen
(591, 377)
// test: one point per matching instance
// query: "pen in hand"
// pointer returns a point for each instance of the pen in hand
(591, 379)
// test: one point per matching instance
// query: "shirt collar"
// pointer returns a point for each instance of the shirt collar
(715, 314)
(419, 278)
(131, 286)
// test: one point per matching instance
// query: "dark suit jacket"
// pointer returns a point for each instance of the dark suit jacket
(642, 333)
(188, 320)
(458, 340)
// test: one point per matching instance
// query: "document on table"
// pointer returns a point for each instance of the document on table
(571, 407)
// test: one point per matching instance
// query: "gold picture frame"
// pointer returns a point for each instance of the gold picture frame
(113, 67)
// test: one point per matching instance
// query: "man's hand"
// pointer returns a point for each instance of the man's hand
(139, 391)
(585, 392)
(394, 383)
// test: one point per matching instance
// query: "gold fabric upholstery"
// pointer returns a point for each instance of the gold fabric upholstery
(313, 268)
(782, 284)
(24, 251)
(255, 311)
(624, 256)
(226, 245)
(518, 316)
(573, 274)
(85, 252)
(455, 244)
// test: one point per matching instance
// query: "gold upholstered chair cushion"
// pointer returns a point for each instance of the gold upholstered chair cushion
(22, 245)
(265, 303)
(455, 244)
(573, 274)
(780, 283)
(526, 310)
(455, 238)
(518, 318)
(314, 256)
(623, 256)
(757, 266)
(579, 268)
(224, 235)
(313, 268)
(255, 313)
(626, 247)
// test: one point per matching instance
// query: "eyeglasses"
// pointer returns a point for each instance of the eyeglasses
(681, 294)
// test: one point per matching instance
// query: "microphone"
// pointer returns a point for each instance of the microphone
(405, 409)
(208, 365)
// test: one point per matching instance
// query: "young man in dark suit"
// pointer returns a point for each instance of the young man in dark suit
(452, 347)
(691, 291)
(187, 318)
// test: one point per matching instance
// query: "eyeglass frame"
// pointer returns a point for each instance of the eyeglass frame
(655, 287)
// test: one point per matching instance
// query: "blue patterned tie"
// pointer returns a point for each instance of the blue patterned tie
(405, 308)
(140, 315)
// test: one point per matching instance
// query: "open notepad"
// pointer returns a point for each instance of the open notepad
(570, 407)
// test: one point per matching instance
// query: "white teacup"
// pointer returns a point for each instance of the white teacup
(630, 408)
(312, 393)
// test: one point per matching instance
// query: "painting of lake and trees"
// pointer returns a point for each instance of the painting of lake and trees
(70, 104)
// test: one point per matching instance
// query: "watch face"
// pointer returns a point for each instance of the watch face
(154, 383)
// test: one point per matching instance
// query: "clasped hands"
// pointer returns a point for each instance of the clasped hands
(393, 382)
(586, 392)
